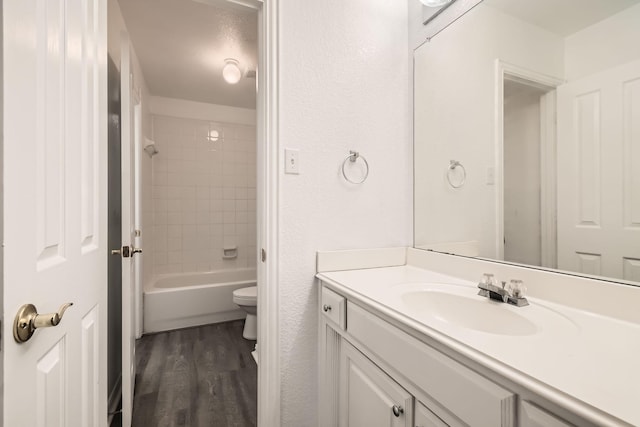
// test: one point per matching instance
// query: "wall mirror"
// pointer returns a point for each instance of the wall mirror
(527, 136)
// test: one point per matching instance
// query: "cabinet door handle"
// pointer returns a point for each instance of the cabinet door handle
(326, 308)
(397, 410)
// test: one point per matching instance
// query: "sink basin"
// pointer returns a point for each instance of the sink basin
(471, 312)
(459, 306)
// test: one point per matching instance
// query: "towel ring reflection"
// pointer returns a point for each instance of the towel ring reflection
(352, 157)
(453, 165)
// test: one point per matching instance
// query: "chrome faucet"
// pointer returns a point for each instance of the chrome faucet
(512, 294)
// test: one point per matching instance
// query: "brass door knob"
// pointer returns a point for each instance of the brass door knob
(28, 320)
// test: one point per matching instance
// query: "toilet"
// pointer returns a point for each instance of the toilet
(247, 299)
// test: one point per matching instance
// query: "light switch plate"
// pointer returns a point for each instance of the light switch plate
(291, 161)
(491, 175)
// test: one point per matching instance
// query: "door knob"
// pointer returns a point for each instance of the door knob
(28, 320)
(126, 251)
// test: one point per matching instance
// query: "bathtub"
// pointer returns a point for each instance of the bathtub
(173, 301)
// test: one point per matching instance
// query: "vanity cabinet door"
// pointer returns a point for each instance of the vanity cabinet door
(426, 418)
(532, 416)
(368, 396)
(468, 396)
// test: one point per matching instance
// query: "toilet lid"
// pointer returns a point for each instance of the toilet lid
(246, 296)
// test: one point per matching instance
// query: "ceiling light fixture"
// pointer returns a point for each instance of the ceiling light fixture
(434, 3)
(213, 136)
(231, 72)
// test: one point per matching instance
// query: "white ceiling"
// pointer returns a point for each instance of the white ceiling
(562, 17)
(182, 45)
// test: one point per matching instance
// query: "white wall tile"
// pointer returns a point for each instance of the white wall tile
(174, 218)
(203, 195)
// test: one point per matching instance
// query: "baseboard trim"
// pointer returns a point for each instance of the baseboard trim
(152, 325)
(114, 399)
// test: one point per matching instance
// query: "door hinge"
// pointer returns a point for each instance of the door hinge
(263, 255)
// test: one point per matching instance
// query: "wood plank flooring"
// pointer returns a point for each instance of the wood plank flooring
(196, 377)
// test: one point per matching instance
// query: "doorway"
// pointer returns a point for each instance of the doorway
(522, 173)
(201, 171)
(526, 166)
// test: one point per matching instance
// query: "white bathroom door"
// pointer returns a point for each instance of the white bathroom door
(54, 172)
(599, 173)
(128, 231)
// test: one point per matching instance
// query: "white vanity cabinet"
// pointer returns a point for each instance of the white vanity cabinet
(373, 374)
(370, 397)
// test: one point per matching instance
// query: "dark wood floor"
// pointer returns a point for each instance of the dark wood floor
(196, 377)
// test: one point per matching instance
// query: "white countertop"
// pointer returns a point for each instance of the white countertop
(577, 358)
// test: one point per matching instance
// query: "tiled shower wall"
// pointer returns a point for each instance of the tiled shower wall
(204, 195)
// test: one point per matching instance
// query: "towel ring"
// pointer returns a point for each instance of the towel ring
(453, 165)
(352, 157)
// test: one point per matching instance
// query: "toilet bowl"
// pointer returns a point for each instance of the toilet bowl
(247, 299)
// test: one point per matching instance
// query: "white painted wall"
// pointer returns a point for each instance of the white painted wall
(611, 42)
(522, 221)
(343, 86)
(204, 192)
(454, 119)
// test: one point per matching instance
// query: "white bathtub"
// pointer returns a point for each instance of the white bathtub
(174, 301)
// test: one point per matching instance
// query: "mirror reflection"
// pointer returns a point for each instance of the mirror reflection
(527, 136)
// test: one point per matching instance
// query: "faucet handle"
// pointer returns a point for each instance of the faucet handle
(517, 289)
(488, 279)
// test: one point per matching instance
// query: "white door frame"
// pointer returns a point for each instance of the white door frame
(268, 214)
(505, 71)
(548, 180)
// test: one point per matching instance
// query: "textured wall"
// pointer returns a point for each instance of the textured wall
(204, 195)
(344, 85)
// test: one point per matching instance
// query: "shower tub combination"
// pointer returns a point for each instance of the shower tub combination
(173, 301)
